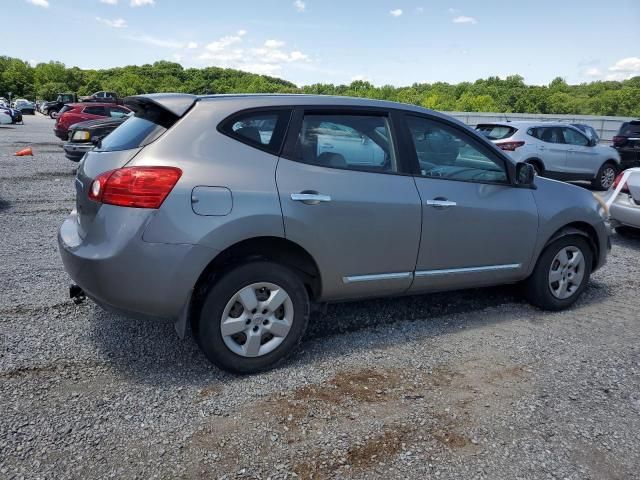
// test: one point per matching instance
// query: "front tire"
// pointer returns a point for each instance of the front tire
(605, 177)
(253, 317)
(561, 274)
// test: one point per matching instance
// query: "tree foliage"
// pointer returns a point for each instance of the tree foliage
(46, 80)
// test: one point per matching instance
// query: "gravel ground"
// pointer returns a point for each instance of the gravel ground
(474, 384)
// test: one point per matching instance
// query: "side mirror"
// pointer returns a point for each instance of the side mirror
(593, 142)
(525, 174)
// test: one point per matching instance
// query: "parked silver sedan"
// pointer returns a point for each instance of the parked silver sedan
(624, 201)
(237, 213)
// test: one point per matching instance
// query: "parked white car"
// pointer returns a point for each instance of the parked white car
(5, 117)
(556, 150)
(623, 201)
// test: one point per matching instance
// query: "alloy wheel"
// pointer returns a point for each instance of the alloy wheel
(256, 319)
(607, 178)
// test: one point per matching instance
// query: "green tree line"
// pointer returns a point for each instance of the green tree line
(493, 94)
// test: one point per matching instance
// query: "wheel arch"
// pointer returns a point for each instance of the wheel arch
(537, 161)
(276, 249)
(583, 229)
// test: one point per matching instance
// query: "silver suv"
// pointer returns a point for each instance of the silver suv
(234, 214)
(556, 150)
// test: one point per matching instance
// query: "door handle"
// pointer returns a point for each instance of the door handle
(310, 198)
(441, 203)
(542, 147)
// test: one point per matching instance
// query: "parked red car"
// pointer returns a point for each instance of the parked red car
(73, 113)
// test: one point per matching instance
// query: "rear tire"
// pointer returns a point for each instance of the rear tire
(544, 288)
(605, 177)
(536, 166)
(253, 317)
(52, 114)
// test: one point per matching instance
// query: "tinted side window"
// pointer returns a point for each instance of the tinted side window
(263, 129)
(444, 152)
(630, 129)
(358, 142)
(95, 111)
(549, 134)
(574, 138)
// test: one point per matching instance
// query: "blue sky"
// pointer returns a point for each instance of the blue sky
(398, 42)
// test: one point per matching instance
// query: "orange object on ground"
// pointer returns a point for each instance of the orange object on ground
(24, 152)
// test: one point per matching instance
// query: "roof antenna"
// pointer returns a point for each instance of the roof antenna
(506, 118)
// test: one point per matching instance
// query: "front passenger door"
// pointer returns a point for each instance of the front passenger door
(581, 157)
(477, 228)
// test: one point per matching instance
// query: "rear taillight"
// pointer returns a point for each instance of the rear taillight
(138, 187)
(509, 146)
(624, 188)
(619, 140)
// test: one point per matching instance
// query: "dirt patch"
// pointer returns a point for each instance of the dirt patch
(207, 392)
(361, 386)
(378, 448)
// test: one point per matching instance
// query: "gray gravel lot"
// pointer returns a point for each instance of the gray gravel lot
(473, 384)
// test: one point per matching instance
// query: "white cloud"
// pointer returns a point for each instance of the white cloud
(156, 42)
(177, 57)
(453, 11)
(297, 56)
(593, 72)
(627, 65)
(241, 33)
(223, 43)
(420, 10)
(115, 23)
(274, 43)
(465, 19)
(299, 5)
(269, 59)
(396, 13)
(110, 2)
(39, 3)
(142, 3)
(192, 45)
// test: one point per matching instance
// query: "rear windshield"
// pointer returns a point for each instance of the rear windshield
(631, 129)
(496, 132)
(145, 126)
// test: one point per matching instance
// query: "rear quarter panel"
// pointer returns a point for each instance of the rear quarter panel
(209, 158)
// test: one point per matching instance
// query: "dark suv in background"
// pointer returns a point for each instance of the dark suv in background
(627, 143)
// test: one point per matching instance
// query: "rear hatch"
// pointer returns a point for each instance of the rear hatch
(152, 118)
(627, 142)
(494, 131)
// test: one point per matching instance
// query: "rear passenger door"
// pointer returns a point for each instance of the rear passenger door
(347, 198)
(551, 148)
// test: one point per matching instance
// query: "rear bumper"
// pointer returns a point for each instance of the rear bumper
(623, 211)
(61, 134)
(121, 272)
(75, 151)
